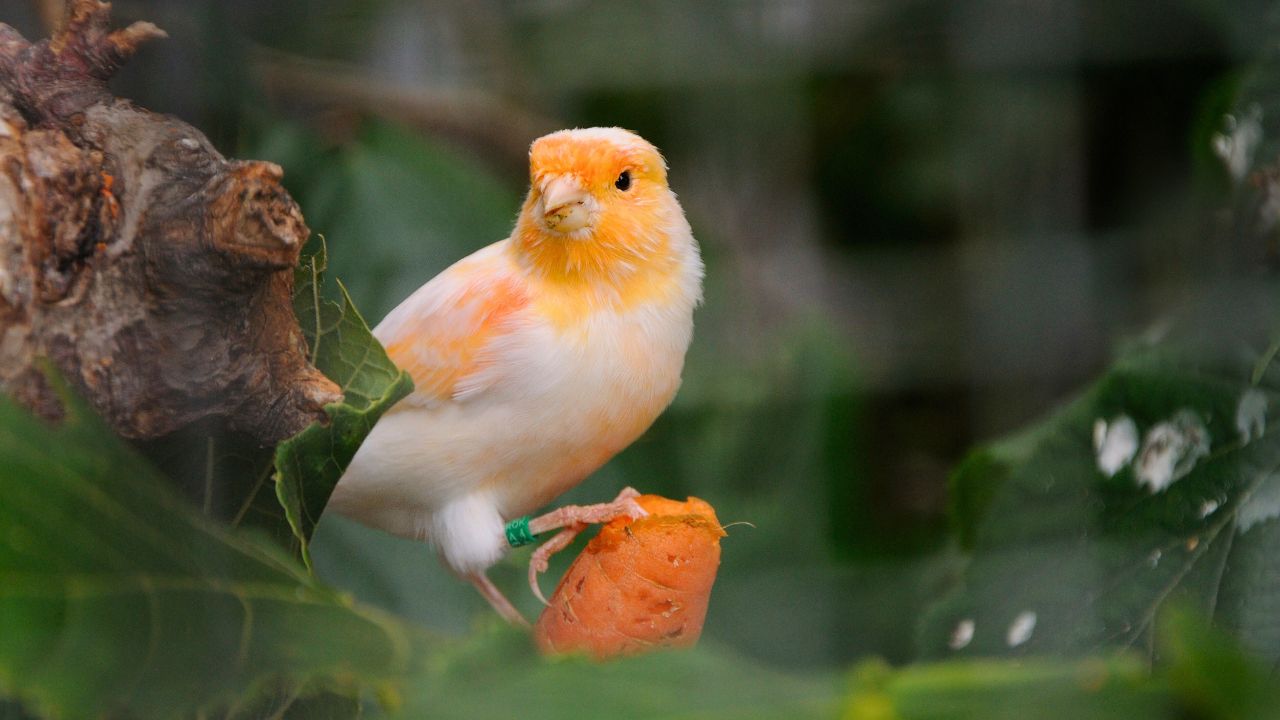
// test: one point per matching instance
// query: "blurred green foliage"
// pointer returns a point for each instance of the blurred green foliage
(117, 597)
(925, 223)
(396, 207)
(129, 602)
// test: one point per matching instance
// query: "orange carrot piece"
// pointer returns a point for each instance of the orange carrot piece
(639, 585)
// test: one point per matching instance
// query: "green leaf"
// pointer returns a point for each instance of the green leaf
(497, 674)
(117, 597)
(292, 701)
(1069, 559)
(309, 465)
(1208, 676)
(978, 479)
(1093, 689)
(1215, 675)
(223, 472)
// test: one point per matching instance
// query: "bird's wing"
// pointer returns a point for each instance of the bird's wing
(448, 334)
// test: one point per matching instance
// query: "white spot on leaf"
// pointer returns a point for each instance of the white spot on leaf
(1115, 443)
(1269, 212)
(1251, 414)
(1209, 507)
(1170, 450)
(961, 635)
(1021, 628)
(1261, 505)
(1239, 140)
(1154, 558)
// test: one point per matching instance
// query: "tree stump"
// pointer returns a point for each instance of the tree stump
(155, 274)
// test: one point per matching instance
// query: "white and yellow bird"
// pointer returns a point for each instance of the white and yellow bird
(535, 360)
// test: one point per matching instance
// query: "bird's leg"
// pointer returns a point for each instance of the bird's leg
(574, 519)
(497, 599)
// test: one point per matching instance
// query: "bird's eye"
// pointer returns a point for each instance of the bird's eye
(624, 180)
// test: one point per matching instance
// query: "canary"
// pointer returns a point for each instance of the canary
(535, 360)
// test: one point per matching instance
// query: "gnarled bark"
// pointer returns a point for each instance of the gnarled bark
(153, 272)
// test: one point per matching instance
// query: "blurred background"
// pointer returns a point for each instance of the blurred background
(926, 223)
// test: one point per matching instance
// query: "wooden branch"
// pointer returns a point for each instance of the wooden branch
(154, 273)
(486, 122)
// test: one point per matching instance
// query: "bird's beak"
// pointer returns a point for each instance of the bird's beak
(565, 204)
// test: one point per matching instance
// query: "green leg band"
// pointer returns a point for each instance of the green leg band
(518, 532)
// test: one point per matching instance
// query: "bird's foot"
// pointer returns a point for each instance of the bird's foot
(497, 599)
(571, 520)
(569, 515)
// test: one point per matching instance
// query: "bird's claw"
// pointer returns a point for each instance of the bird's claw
(533, 583)
(632, 509)
(540, 560)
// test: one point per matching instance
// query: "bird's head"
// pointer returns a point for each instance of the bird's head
(599, 207)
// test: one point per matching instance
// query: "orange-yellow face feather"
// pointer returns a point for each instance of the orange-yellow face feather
(597, 156)
(598, 210)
